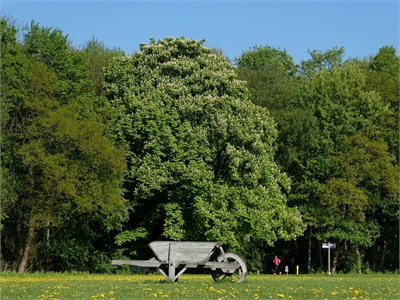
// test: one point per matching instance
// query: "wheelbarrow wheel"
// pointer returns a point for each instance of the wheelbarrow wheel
(236, 274)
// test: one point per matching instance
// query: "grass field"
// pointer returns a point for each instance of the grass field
(151, 286)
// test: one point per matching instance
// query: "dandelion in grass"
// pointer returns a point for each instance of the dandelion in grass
(281, 295)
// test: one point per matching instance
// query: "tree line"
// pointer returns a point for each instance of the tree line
(103, 152)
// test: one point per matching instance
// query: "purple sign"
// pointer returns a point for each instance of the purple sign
(328, 245)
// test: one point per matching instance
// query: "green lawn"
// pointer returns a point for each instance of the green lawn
(86, 286)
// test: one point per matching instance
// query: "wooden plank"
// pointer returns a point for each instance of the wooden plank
(208, 265)
(180, 273)
(191, 265)
(163, 273)
(192, 256)
(137, 263)
(227, 267)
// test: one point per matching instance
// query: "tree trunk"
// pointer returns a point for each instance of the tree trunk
(309, 252)
(48, 246)
(320, 257)
(373, 257)
(384, 246)
(26, 251)
(335, 259)
(358, 261)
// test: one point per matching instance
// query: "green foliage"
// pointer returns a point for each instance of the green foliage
(322, 61)
(269, 86)
(64, 150)
(258, 58)
(130, 235)
(365, 166)
(57, 157)
(383, 77)
(13, 76)
(342, 106)
(174, 225)
(365, 183)
(367, 163)
(339, 105)
(341, 197)
(51, 48)
(336, 111)
(386, 61)
(99, 56)
(201, 155)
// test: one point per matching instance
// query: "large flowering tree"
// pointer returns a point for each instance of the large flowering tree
(200, 154)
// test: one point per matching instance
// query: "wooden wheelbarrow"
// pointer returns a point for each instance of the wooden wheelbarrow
(172, 259)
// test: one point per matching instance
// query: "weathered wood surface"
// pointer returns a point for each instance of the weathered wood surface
(138, 263)
(171, 255)
(187, 264)
(185, 251)
(171, 262)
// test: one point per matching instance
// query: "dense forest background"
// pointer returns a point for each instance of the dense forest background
(103, 152)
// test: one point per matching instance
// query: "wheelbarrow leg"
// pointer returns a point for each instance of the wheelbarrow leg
(171, 262)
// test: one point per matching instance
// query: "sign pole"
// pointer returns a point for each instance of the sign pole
(329, 258)
(329, 246)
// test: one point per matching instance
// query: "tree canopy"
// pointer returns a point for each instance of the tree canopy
(58, 161)
(200, 153)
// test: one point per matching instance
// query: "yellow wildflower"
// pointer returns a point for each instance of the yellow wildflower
(280, 295)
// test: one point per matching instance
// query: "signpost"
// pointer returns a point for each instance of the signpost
(329, 246)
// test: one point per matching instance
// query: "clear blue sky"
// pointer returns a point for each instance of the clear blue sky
(361, 27)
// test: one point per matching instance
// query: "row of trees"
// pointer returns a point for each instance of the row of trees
(338, 142)
(104, 152)
(62, 173)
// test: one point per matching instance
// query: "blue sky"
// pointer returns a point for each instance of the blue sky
(361, 27)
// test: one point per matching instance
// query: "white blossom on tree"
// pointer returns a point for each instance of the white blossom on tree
(200, 153)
